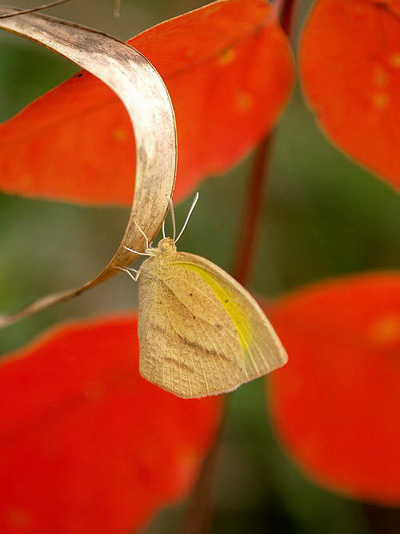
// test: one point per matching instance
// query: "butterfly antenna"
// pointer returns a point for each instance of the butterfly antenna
(196, 198)
(171, 209)
(117, 7)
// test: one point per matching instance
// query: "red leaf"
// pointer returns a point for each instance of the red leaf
(87, 445)
(229, 71)
(350, 67)
(336, 403)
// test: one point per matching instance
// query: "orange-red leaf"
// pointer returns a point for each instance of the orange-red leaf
(229, 71)
(336, 403)
(350, 68)
(86, 445)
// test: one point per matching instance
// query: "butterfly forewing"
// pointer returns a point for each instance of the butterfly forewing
(200, 332)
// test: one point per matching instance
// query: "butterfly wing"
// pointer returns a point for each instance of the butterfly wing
(200, 332)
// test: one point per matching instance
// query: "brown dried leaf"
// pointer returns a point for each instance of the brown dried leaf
(131, 76)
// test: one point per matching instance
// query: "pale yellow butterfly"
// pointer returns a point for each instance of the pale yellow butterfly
(200, 332)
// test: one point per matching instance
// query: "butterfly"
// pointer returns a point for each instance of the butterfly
(200, 332)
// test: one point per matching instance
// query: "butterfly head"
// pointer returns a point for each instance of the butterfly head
(166, 245)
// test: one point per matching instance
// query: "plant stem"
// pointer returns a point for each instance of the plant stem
(286, 15)
(382, 520)
(198, 516)
(199, 513)
(254, 203)
(252, 214)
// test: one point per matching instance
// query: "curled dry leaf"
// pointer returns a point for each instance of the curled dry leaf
(88, 446)
(336, 405)
(131, 76)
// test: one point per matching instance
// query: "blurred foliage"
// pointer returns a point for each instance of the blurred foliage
(324, 217)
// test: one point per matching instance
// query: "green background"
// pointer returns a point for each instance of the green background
(323, 217)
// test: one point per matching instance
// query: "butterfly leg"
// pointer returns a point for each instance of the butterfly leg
(130, 270)
(136, 252)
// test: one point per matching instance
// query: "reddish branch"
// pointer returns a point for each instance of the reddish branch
(284, 9)
(251, 219)
(199, 513)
